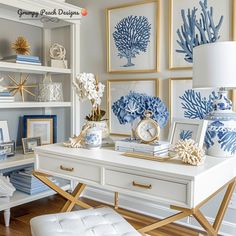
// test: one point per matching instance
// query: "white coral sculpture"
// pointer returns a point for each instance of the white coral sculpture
(189, 152)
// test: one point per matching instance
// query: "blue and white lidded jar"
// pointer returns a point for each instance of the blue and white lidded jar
(220, 137)
(93, 138)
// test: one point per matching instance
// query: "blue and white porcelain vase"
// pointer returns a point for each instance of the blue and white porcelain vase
(93, 138)
(221, 134)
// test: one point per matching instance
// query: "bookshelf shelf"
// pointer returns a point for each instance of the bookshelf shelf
(31, 69)
(12, 105)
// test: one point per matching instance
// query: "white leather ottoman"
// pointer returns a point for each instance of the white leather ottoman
(91, 222)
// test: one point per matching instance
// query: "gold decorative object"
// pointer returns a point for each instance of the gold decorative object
(149, 157)
(77, 141)
(21, 46)
(20, 87)
(189, 152)
(148, 130)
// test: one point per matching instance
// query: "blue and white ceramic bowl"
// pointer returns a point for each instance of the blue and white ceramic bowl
(93, 138)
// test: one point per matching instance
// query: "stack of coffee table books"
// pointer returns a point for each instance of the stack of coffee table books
(159, 148)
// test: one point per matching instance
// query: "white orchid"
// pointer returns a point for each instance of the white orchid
(87, 87)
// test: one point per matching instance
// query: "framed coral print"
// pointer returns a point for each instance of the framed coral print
(133, 37)
(183, 129)
(122, 87)
(186, 103)
(186, 33)
(43, 126)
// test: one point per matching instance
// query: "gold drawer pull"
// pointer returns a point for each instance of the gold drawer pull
(66, 169)
(149, 186)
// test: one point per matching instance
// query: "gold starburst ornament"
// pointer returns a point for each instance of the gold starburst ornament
(21, 86)
(21, 46)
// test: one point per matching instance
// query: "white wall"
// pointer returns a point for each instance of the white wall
(93, 46)
(93, 59)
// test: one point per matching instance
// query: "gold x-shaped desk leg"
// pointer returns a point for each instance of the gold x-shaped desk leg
(72, 199)
(212, 230)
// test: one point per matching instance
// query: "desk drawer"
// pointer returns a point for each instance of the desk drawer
(69, 168)
(161, 188)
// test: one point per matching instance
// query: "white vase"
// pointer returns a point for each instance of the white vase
(93, 138)
(102, 125)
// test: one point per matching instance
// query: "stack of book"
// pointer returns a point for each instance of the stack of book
(23, 59)
(6, 97)
(25, 182)
(159, 148)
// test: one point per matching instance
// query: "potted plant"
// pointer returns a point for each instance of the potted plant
(87, 87)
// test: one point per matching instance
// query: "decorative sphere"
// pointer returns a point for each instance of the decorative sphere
(84, 12)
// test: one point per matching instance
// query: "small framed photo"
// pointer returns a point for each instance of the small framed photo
(4, 132)
(29, 144)
(183, 129)
(43, 126)
(9, 147)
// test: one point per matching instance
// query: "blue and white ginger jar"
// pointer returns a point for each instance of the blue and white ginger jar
(93, 138)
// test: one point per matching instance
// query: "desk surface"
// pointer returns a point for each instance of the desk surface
(171, 168)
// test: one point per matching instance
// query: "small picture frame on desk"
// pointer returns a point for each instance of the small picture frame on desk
(29, 144)
(43, 126)
(184, 129)
(9, 147)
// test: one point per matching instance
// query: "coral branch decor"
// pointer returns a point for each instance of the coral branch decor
(87, 87)
(189, 152)
(21, 87)
(195, 32)
(132, 106)
(131, 36)
(21, 46)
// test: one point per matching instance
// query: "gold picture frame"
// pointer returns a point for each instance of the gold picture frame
(156, 36)
(44, 126)
(232, 33)
(232, 95)
(156, 92)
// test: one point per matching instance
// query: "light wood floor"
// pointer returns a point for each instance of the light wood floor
(21, 217)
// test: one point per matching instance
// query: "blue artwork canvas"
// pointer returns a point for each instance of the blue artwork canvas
(133, 36)
(197, 22)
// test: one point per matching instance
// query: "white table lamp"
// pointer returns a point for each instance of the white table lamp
(214, 67)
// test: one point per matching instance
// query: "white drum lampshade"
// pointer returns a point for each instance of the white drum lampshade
(214, 67)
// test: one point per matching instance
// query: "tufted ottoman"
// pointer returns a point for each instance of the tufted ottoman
(91, 222)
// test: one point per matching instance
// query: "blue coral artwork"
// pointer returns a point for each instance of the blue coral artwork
(197, 31)
(132, 37)
(194, 23)
(185, 135)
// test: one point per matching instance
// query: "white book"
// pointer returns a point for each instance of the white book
(29, 63)
(136, 144)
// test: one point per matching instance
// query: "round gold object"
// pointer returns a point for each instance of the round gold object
(148, 130)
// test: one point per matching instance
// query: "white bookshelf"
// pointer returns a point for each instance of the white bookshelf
(67, 33)
(31, 69)
(20, 198)
(11, 105)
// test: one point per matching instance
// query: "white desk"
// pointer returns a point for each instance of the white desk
(184, 188)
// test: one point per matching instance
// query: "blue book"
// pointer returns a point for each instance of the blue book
(19, 57)
(5, 94)
(28, 60)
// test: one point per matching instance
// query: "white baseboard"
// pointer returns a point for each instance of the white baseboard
(151, 209)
